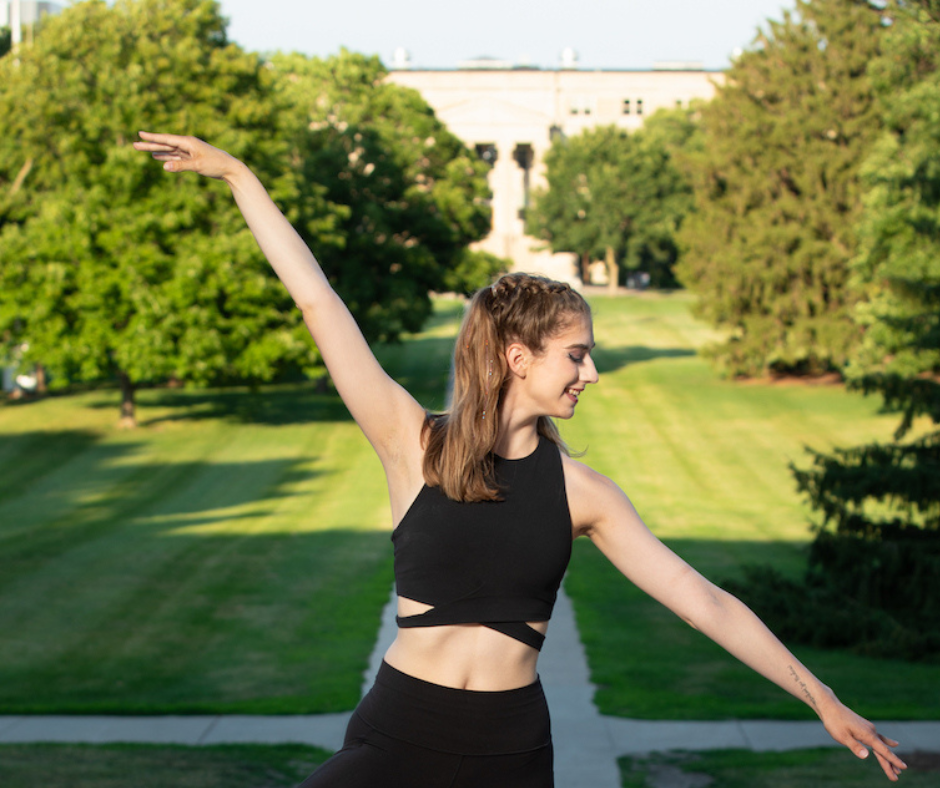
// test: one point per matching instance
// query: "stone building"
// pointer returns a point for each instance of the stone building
(28, 12)
(510, 115)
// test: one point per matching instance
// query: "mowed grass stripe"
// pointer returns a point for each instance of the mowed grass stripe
(177, 581)
(232, 555)
(705, 460)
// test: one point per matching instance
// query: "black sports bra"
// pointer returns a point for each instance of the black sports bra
(496, 563)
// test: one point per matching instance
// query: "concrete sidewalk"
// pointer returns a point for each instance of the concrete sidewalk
(587, 744)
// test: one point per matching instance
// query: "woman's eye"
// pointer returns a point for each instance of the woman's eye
(576, 359)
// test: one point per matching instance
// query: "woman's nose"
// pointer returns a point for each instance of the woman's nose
(589, 372)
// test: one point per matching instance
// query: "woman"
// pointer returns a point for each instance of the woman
(486, 503)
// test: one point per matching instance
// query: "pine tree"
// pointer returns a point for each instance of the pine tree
(880, 503)
(778, 197)
(873, 581)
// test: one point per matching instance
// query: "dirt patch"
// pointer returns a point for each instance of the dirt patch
(829, 379)
(921, 760)
(663, 775)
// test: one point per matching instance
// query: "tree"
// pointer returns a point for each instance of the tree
(874, 565)
(666, 139)
(778, 195)
(108, 267)
(615, 196)
(414, 195)
(881, 502)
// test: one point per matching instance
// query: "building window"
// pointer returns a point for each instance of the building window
(524, 156)
(639, 106)
(487, 152)
(626, 106)
(581, 105)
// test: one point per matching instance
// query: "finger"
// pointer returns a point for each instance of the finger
(889, 761)
(154, 147)
(172, 140)
(890, 769)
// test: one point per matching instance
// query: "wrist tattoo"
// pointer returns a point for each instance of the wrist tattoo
(806, 692)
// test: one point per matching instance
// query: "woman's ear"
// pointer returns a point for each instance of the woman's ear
(517, 359)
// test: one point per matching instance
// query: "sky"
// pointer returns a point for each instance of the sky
(606, 34)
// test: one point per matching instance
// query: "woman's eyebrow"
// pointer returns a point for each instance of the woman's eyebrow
(581, 346)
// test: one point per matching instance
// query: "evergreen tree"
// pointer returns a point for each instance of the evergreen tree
(873, 581)
(881, 502)
(778, 197)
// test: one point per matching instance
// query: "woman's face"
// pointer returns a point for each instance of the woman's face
(552, 381)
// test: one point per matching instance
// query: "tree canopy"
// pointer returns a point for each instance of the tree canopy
(873, 581)
(616, 196)
(777, 190)
(110, 269)
(414, 196)
(887, 496)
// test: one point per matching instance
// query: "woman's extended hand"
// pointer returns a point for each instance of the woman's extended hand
(188, 154)
(858, 734)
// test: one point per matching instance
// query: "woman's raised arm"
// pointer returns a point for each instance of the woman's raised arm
(385, 412)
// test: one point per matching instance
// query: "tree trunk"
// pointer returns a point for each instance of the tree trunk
(586, 269)
(42, 387)
(613, 274)
(128, 415)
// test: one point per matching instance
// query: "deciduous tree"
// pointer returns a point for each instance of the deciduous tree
(616, 196)
(414, 196)
(110, 269)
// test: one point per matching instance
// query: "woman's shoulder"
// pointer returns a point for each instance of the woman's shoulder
(590, 493)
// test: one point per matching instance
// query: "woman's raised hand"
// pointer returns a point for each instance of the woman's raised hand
(188, 154)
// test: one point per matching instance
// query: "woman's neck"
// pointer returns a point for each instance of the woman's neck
(516, 440)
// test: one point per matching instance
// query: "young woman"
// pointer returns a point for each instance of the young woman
(486, 503)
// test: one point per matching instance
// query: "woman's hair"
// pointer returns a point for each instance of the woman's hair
(459, 442)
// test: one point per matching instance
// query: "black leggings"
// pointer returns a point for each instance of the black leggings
(409, 733)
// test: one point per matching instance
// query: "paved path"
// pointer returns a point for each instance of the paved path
(587, 744)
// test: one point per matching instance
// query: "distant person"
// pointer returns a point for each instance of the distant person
(486, 502)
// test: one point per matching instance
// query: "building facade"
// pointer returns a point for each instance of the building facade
(30, 11)
(510, 116)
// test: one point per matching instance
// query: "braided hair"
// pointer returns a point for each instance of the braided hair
(459, 442)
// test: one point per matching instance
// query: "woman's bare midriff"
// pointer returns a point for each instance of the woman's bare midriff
(462, 656)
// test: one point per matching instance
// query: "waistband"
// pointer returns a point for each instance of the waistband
(462, 722)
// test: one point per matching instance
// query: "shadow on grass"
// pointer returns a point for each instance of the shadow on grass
(26, 457)
(611, 359)
(149, 620)
(647, 663)
(65, 489)
(156, 766)
(271, 405)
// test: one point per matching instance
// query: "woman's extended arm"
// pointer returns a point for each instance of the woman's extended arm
(609, 519)
(382, 408)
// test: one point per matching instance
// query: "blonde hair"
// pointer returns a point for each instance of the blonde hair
(459, 442)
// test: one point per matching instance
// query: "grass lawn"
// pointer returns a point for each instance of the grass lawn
(705, 461)
(145, 766)
(799, 769)
(232, 554)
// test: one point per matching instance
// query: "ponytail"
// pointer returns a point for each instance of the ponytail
(459, 443)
